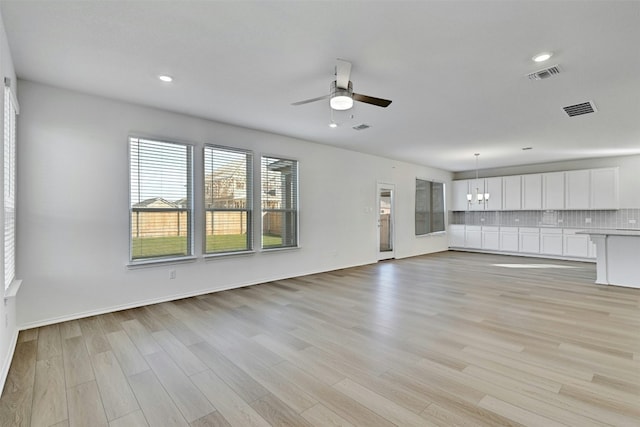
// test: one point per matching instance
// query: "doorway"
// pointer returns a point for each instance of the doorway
(386, 228)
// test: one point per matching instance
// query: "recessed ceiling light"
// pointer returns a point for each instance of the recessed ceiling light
(333, 125)
(165, 78)
(543, 56)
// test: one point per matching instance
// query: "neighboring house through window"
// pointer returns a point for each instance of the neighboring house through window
(228, 177)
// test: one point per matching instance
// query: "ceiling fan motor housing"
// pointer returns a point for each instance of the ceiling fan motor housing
(341, 98)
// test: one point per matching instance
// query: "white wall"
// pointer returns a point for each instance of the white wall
(73, 242)
(8, 330)
(629, 173)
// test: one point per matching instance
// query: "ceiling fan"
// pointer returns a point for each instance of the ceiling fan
(341, 96)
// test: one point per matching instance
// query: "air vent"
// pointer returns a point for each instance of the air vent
(545, 73)
(363, 126)
(580, 109)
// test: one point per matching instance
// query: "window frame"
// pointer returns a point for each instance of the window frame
(429, 211)
(189, 209)
(294, 211)
(249, 207)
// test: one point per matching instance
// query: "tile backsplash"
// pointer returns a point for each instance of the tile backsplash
(622, 218)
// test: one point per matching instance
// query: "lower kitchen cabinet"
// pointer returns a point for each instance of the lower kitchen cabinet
(456, 235)
(491, 238)
(551, 241)
(473, 236)
(577, 245)
(529, 240)
(509, 241)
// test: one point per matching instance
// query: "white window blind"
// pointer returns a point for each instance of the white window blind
(9, 201)
(429, 214)
(161, 182)
(228, 199)
(279, 202)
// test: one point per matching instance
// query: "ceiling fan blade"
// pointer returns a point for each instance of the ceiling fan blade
(371, 100)
(343, 73)
(306, 101)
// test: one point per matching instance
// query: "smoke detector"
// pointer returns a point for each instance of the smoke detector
(545, 73)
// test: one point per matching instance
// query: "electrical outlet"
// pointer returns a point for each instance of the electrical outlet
(172, 274)
(632, 221)
(517, 220)
(587, 220)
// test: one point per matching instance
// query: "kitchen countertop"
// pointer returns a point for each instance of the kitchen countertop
(611, 232)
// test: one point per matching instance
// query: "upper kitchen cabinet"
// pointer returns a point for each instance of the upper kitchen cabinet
(577, 189)
(459, 191)
(553, 190)
(532, 192)
(605, 188)
(592, 189)
(493, 187)
(511, 193)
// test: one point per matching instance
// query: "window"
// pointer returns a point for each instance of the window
(161, 199)
(10, 115)
(228, 200)
(429, 207)
(279, 203)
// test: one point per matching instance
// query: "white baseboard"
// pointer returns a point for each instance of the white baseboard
(142, 303)
(8, 358)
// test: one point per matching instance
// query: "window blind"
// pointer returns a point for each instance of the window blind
(161, 188)
(279, 194)
(429, 212)
(9, 205)
(228, 199)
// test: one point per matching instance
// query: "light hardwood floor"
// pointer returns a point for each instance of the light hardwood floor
(444, 339)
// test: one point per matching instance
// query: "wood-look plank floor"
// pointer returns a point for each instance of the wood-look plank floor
(437, 340)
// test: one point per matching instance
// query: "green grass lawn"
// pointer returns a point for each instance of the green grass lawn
(151, 247)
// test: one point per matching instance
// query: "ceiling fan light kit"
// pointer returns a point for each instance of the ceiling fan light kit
(341, 99)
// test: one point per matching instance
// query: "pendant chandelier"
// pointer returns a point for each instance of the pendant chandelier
(477, 196)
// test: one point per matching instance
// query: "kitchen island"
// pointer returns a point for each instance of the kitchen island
(618, 256)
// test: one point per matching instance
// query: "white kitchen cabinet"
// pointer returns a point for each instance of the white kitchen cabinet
(473, 236)
(493, 186)
(456, 235)
(575, 245)
(577, 189)
(476, 186)
(551, 241)
(509, 239)
(553, 191)
(459, 190)
(529, 239)
(532, 192)
(604, 188)
(511, 193)
(491, 238)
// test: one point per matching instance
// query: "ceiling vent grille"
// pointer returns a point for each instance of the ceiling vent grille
(545, 73)
(363, 126)
(580, 109)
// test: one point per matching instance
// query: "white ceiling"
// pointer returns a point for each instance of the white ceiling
(455, 70)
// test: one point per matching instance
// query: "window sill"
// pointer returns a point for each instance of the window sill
(287, 248)
(13, 289)
(227, 254)
(160, 261)
(435, 233)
